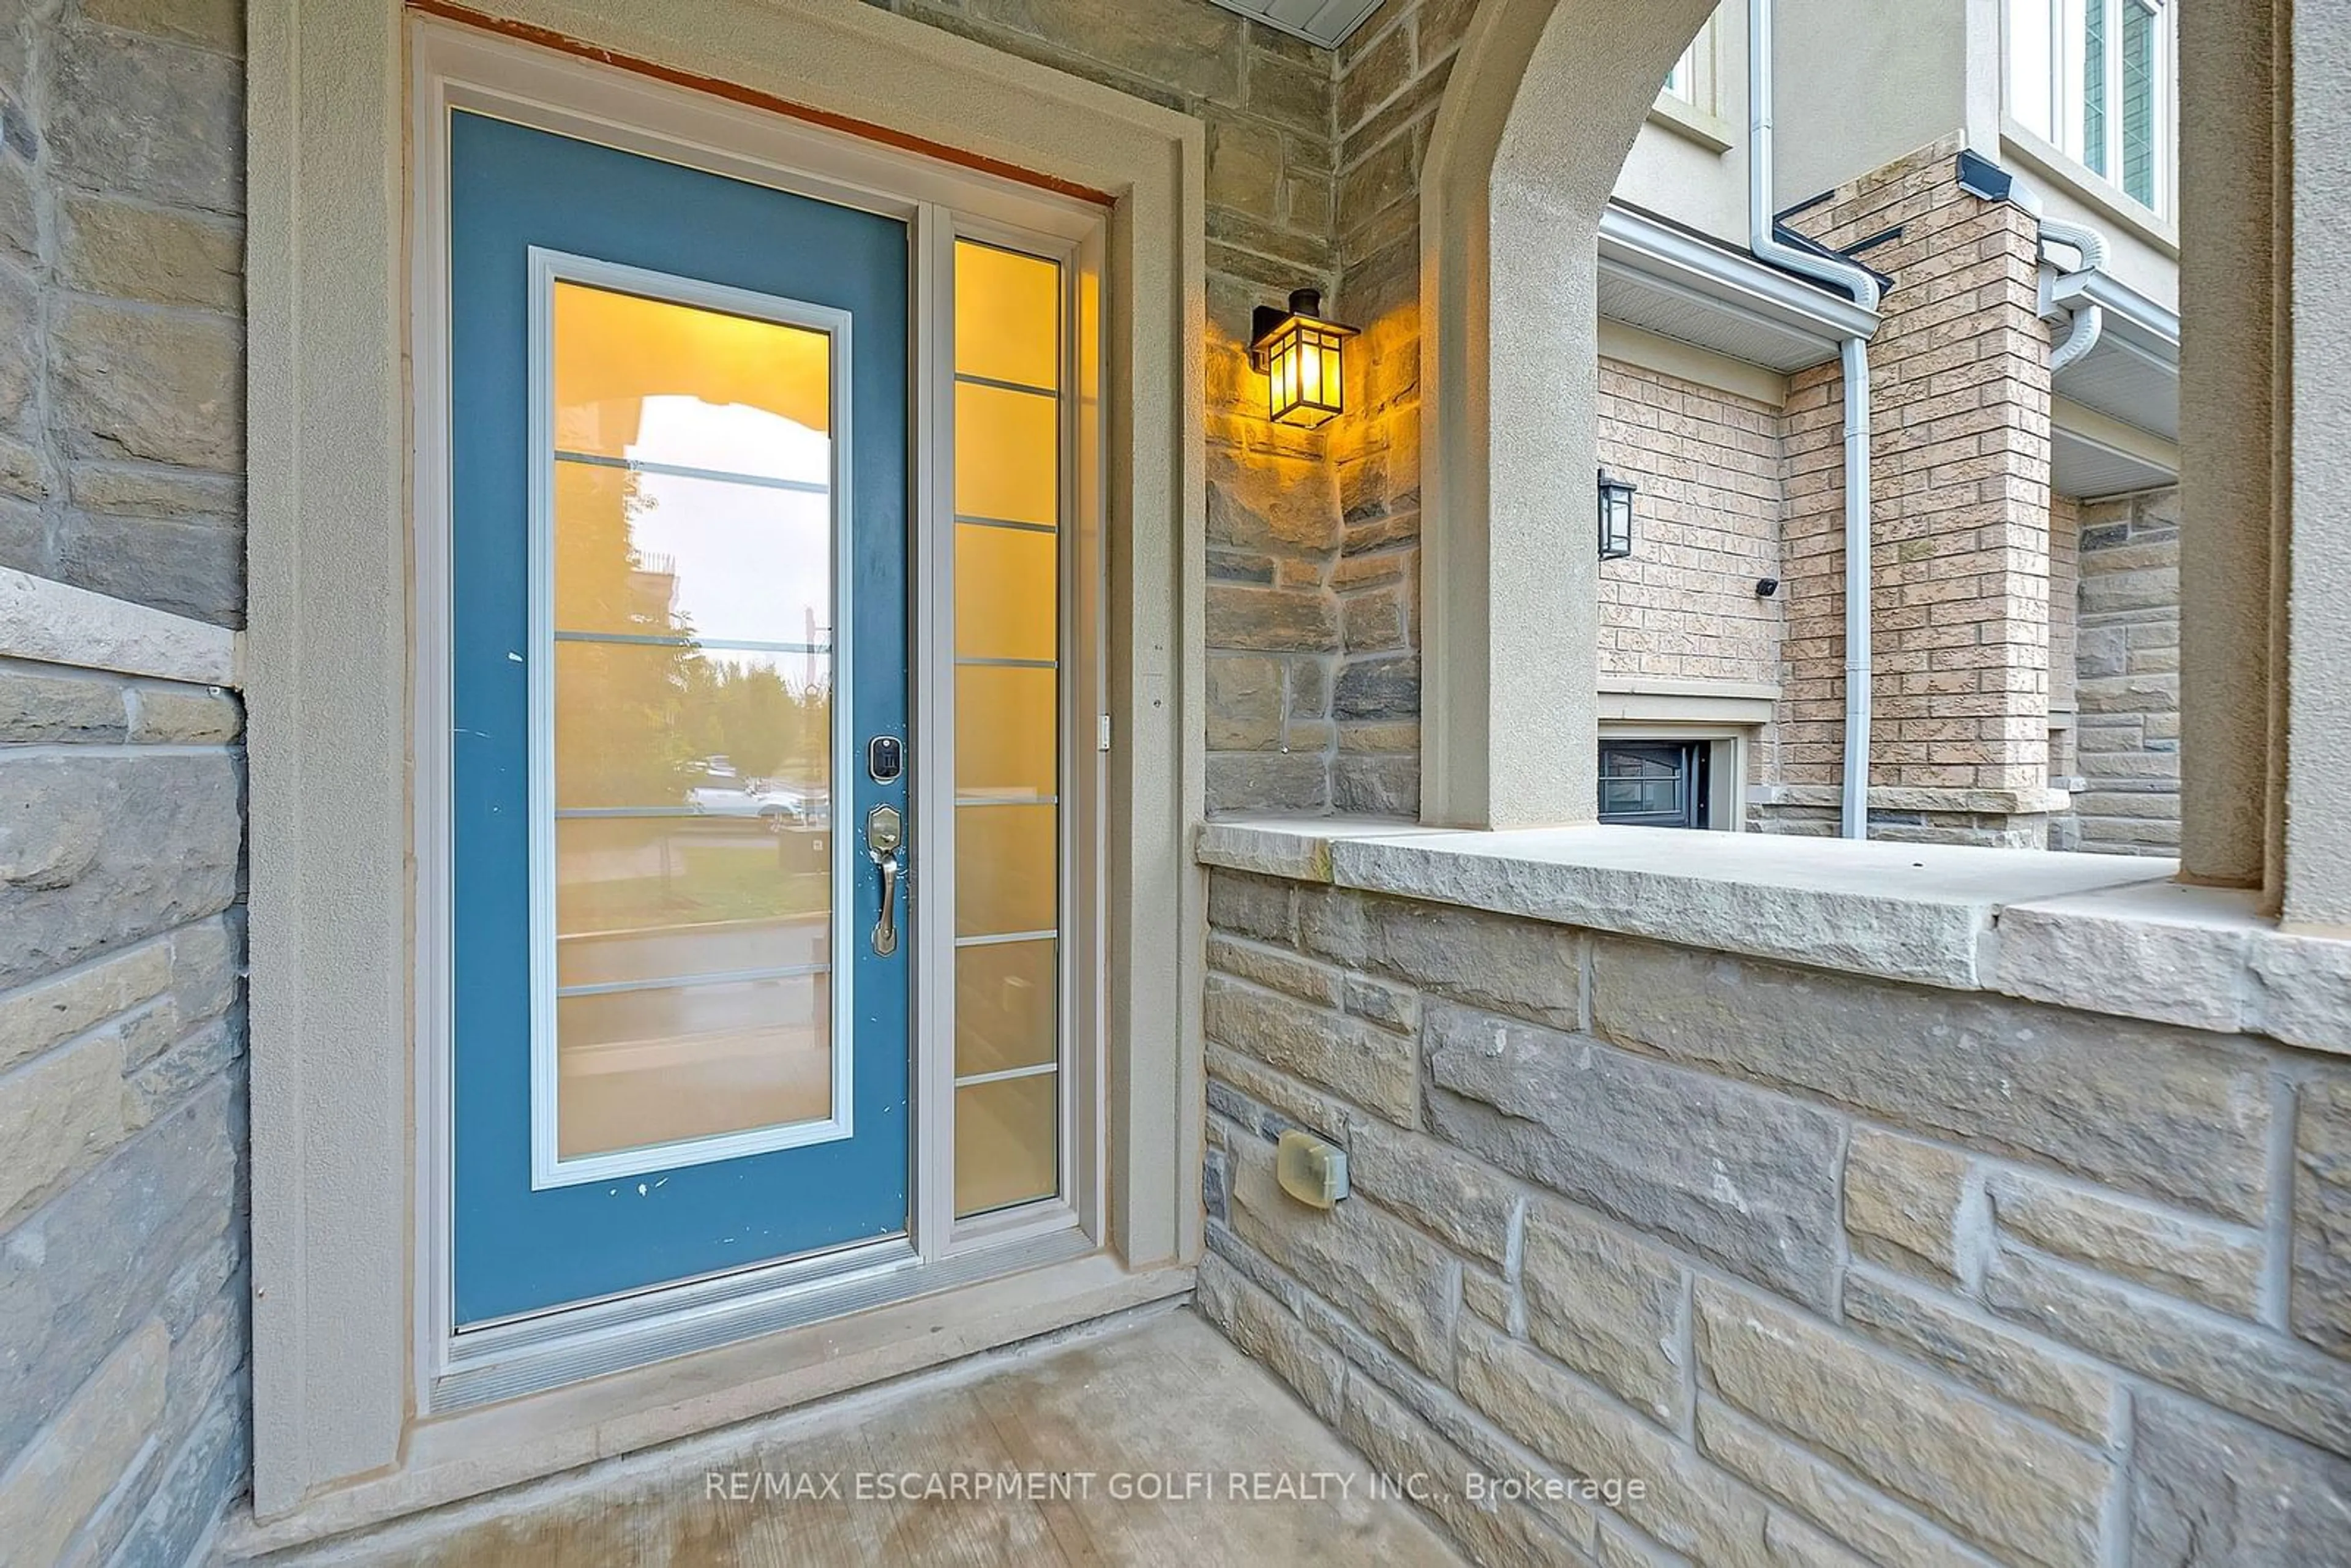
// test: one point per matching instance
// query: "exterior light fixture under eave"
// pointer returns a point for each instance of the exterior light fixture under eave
(1615, 517)
(1303, 357)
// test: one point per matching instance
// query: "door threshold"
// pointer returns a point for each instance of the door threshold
(533, 1354)
(469, 1454)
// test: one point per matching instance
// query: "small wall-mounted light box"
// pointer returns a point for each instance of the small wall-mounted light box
(1310, 1169)
(1304, 360)
(1615, 517)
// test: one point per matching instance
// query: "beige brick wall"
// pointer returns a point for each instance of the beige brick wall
(2127, 746)
(1960, 499)
(1682, 606)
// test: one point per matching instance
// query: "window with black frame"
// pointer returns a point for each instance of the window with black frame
(1653, 783)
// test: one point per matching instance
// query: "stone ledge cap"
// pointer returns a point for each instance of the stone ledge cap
(2105, 934)
(1918, 912)
(51, 622)
(2203, 956)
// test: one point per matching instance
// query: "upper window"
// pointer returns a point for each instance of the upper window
(2093, 79)
(1691, 81)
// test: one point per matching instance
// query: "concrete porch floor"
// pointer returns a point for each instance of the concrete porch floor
(1161, 1401)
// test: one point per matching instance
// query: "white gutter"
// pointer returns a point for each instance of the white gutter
(1709, 274)
(1854, 354)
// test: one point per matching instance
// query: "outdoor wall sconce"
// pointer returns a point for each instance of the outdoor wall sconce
(1300, 353)
(1615, 517)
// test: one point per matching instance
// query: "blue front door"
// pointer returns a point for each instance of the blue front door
(678, 512)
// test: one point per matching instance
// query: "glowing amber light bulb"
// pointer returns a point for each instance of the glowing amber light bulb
(1303, 357)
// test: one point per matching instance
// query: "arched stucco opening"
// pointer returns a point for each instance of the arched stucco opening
(1542, 106)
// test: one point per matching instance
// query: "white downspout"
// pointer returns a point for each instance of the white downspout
(1853, 356)
(2090, 320)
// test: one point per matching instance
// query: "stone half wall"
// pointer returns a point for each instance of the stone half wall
(123, 1275)
(1742, 1263)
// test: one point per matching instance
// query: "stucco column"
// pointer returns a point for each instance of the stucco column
(2229, 335)
(1542, 104)
(2315, 564)
(1511, 720)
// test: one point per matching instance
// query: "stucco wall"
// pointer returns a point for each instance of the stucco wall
(1681, 176)
(1799, 1265)
(123, 1288)
(1859, 86)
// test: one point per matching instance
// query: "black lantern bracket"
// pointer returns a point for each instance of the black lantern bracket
(1268, 322)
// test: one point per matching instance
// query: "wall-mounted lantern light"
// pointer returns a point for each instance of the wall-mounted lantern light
(1615, 517)
(1300, 353)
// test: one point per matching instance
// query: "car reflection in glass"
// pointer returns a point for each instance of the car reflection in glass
(778, 808)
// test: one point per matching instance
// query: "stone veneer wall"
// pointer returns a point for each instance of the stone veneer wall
(1391, 75)
(1313, 555)
(2064, 657)
(123, 1285)
(1838, 1271)
(1682, 606)
(1962, 463)
(2128, 742)
(1283, 621)
(1959, 495)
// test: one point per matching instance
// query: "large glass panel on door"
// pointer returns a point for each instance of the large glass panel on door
(1008, 502)
(690, 540)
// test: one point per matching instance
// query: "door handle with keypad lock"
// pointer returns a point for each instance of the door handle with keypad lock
(885, 830)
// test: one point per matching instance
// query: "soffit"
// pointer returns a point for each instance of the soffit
(2132, 373)
(1668, 280)
(2083, 467)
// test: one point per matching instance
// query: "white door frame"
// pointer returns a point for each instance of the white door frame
(345, 1375)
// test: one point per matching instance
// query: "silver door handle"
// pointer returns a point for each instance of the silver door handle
(885, 930)
(884, 832)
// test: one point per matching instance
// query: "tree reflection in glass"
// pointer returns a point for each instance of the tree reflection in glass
(692, 619)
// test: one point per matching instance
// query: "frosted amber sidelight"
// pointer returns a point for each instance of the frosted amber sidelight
(1008, 457)
(1007, 586)
(1007, 316)
(1006, 1142)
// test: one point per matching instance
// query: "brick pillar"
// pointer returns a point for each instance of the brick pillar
(1960, 559)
